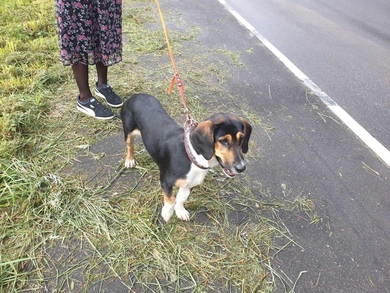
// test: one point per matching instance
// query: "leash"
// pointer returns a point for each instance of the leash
(176, 78)
(190, 123)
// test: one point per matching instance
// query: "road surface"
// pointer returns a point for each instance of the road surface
(343, 46)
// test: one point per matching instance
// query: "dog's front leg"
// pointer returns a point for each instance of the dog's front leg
(181, 198)
(169, 205)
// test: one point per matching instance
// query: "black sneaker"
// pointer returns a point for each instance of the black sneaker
(95, 109)
(109, 95)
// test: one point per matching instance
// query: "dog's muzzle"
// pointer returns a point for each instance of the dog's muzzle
(233, 170)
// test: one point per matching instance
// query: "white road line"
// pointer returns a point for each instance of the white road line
(357, 129)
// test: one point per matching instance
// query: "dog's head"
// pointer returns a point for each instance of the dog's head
(226, 137)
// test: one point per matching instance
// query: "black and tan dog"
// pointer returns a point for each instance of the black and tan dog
(183, 157)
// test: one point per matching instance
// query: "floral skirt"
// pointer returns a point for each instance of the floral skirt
(90, 31)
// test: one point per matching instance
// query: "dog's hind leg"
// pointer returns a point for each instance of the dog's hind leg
(130, 161)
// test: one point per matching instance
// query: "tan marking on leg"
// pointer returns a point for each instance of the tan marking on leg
(168, 208)
(181, 182)
(130, 147)
(169, 199)
(130, 162)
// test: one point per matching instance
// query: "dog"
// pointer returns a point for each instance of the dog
(183, 157)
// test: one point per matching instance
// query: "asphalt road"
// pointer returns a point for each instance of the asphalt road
(343, 46)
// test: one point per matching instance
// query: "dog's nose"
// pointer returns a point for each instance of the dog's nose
(241, 167)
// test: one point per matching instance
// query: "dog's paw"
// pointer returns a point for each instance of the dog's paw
(182, 213)
(130, 164)
(167, 212)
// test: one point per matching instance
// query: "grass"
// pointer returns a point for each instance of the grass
(60, 233)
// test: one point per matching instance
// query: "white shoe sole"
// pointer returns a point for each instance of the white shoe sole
(91, 113)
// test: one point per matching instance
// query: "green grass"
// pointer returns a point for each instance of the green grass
(59, 232)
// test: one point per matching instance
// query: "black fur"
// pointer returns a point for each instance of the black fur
(162, 136)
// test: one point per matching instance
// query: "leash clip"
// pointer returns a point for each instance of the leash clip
(189, 124)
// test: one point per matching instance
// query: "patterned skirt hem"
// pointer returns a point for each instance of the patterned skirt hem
(91, 59)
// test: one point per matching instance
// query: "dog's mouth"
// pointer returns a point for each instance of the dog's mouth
(228, 172)
(225, 170)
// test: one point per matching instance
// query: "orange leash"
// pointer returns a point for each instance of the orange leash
(176, 77)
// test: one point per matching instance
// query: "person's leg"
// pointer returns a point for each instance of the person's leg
(86, 102)
(101, 70)
(80, 72)
(103, 90)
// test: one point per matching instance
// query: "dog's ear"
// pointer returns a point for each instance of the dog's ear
(202, 139)
(247, 134)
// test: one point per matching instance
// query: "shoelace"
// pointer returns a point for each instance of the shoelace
(95, 104)
(110, 93)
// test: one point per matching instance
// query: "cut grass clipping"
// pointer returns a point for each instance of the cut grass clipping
(59, 234)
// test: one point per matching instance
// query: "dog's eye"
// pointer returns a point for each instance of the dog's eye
(224, 142)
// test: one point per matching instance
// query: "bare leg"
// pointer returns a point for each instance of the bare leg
(104, 91)
(80, 72)
(101, 73)
(86, 104)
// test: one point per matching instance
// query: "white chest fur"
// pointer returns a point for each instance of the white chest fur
(195, 176)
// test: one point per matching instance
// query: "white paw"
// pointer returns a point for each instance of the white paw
(167, 212)
(182, 213)
(130, 164)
